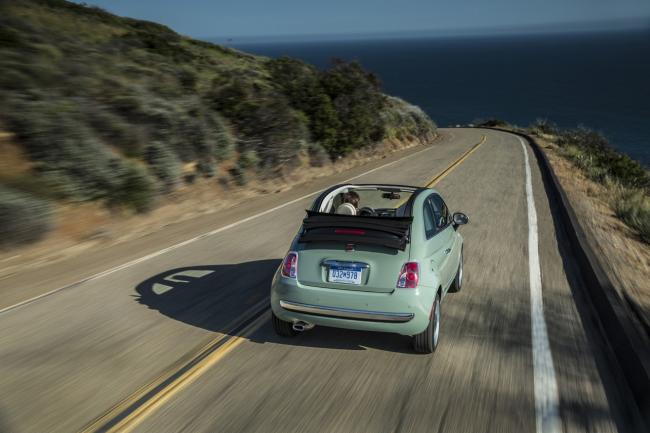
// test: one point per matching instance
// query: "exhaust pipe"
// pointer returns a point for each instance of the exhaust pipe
(301, 326)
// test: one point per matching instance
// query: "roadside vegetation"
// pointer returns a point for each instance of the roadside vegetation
(112, 109)
(626, 180)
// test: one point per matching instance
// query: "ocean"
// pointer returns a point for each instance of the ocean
(601, 81)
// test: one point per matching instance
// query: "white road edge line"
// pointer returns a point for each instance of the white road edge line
(546, 393)
(196, 238)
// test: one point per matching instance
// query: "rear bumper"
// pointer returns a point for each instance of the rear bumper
(403, 311)
(346, 313)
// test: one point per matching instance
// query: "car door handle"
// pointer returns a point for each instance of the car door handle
(448, 250)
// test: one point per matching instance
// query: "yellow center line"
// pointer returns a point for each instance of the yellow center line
(101, 424)
(140, 414)
(456, 163)
(453, 165)
(135, 417)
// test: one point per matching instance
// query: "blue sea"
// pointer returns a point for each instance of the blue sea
(601, 80)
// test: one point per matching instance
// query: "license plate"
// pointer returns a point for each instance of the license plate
(344, 275)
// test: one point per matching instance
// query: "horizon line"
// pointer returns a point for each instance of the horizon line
(622, 25)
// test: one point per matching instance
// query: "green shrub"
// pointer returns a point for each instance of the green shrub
(91, 89)
(56, 136)
(23, 218)
(163, 164)
(543, 126)
(626, 180)
(593, 153)
(135, 188)
(219, 139)
(207, 168)
(491, 123)
(248, 159)
(318, 156)
(632, 206)
(238, 175)
(187, 79)
(356, 97)
(401, 120)
(116, 131)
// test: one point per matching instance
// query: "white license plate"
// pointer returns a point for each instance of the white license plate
(344, 275)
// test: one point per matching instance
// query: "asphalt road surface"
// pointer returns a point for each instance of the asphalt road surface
(155, 345)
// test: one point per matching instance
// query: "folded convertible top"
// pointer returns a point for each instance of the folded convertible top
(391, 232)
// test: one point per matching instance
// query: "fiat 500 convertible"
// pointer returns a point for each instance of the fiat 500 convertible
(374, 258)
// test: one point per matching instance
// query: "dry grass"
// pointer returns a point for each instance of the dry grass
(625, 256)
(13, 161)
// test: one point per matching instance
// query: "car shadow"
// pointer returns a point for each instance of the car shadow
(214, 297)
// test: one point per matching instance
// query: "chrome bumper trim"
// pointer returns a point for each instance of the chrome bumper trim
(346, 313)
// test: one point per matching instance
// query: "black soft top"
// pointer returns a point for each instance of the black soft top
(391, 232)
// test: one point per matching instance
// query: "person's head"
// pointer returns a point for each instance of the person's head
(352, 198)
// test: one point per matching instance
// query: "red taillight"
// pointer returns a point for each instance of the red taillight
(350, 232)
(408, 277)
(290, 265)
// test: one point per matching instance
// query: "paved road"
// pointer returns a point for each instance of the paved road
(67, 358)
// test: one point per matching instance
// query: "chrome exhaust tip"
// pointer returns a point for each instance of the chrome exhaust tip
(301, 326)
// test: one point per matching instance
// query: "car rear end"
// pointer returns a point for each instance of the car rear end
(351, 272)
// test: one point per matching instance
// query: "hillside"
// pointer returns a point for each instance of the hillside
(122, 111)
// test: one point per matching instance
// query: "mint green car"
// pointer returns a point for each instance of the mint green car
(373, 258)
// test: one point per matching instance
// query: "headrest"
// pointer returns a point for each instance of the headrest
(346, 209)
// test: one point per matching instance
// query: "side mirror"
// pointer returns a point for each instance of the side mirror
(460, 219)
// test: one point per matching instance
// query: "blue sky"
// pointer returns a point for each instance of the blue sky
(249, 18)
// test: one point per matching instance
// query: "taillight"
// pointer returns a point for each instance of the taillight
(290, 265)
(350, 232)
(408, 276)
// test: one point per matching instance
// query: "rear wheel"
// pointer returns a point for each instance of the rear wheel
(282, 328)
(458, 281)
(427, 340)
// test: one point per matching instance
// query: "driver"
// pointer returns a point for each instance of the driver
(350, 205)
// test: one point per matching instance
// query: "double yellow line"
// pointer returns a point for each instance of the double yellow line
(134, 409)
(456, 163)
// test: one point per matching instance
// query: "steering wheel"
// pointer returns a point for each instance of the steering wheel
(366, 211)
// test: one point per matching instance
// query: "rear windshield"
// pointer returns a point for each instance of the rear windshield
(372, 202)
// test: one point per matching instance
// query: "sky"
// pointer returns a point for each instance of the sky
(274, 18)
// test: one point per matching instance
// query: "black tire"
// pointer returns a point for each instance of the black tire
(458, 280)
(282, 328)
(427, 340)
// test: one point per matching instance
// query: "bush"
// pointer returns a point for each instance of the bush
(206, 168)
(633, 208)
(135, 188)
(401, 120)
(318, 156)
(90, 89)
(591, 151)
(491, 123)
(218, 134)
(116, 131)
(56, 136)
(248, 159)
(238, 175)
(356, 97)
(163, 164)
(23, 218)
(543, 126)
(627, 181)
(187, 79)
